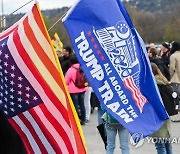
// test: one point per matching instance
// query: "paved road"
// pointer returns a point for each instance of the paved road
(96, 146)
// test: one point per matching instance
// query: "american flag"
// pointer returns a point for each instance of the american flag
(136, 93)
(32, 94)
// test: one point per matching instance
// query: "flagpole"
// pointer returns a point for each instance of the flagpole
(3, 18)
(58, 20)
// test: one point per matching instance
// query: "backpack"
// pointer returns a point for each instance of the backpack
(170, 94)
(80, 78)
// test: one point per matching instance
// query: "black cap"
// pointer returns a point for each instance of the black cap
(175, 47)
(166, 45)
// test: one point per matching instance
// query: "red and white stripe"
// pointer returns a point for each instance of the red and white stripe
(136, 93)
(45, 128)
(6, 32)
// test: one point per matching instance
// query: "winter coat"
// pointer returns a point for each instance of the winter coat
(70, 78)
(165, 130)
(174, 67)
(164, 70)
(65, 63)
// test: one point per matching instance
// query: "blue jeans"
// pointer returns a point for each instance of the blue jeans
(111, 131)
(78, 100)
(163, 148)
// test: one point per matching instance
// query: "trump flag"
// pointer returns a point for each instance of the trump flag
(32, 93)
(116, 64)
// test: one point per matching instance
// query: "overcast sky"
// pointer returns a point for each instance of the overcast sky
(11, 5)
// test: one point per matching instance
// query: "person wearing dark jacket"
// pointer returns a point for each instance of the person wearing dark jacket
(162, 137)
(155, 59)
(65, 59)
(10, 142)
(165, 51)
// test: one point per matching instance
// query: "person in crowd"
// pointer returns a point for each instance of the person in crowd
(174, 67)
(65, 59)
(77, 94)
(11, 142)
(162, 136)
(155, 59)
(165, 53)
(112, 128)
(152, 45)
(95, 103)
(87, 102)
(59, 53)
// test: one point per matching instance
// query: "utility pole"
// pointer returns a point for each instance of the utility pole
(3, 19)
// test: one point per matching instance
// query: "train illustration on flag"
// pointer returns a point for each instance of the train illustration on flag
(119, 45)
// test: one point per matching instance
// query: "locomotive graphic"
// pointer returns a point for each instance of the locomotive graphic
(119, 45)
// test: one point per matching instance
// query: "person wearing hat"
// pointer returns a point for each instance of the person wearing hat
(165, 50)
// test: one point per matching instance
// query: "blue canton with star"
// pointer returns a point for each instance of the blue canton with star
(16, 93)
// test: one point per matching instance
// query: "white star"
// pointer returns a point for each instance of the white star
(27, 88)
(20, 92)
(12, 82)
(6, 92)
(5, 64)
(6, 78)
(13, 67)
(5, 71)
(6, 56)
(35, 98)
(5, 99)
(5, 106)
(12, 75)
(11, 96)
(6, 85)
(1, 101)
(20, 85)
(0, 52)
(12, 103)
(19, 105)
(19, 99)
(12, 109)
(27, 102)
(6, 112)
(27, 95)
(20, 78)
(12, 90)
(2, 44)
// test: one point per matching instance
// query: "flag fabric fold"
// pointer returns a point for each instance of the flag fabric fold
(114, 59)
(32, 92)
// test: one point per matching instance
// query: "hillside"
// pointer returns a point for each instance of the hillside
(155, 20)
